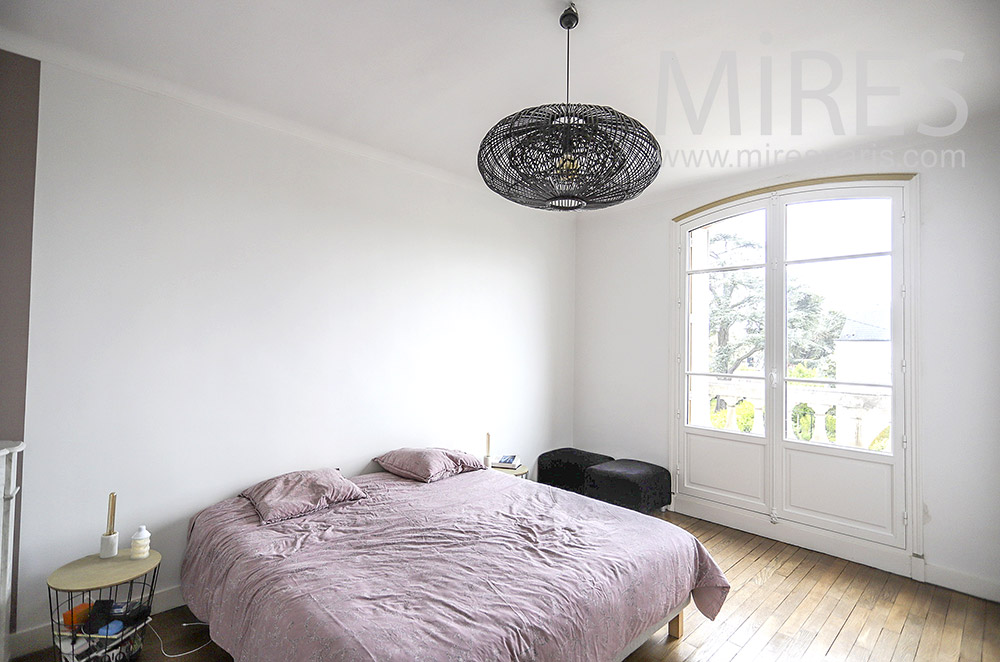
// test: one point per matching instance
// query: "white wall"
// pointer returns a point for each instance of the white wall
(215, 302)
(623, 326)
(622, 330)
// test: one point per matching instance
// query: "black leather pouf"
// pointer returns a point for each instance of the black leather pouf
(564, 467)
(629, 483)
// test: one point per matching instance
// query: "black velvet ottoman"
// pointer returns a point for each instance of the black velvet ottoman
(629, 483)
(564, 467)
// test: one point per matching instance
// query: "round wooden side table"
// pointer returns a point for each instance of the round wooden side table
(99, 607)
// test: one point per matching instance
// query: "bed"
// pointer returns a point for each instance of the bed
(480, 566)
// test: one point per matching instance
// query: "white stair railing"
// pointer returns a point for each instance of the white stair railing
(10, 452)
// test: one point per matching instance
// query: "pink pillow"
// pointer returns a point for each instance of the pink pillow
(300, 493)
(428, 464)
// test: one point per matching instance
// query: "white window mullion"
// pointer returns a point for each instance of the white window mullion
(775, 342)
(899, 347)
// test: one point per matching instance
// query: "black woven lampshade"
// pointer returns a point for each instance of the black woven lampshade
(569, 156)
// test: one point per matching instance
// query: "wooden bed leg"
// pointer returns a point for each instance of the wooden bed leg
(676, 626)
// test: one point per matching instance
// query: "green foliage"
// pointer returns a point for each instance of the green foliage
(831, 424)
(744, 415)
(812, 331)
(800, 371)
(881, 441)
(736, 317)
(803, 421)
(719, 413)
(737, 302)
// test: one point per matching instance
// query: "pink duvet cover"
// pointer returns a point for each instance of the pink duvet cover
(477, 567)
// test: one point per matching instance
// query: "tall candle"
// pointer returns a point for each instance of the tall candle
(487, 444)
(111, 513)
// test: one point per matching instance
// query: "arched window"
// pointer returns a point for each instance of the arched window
(792, 337)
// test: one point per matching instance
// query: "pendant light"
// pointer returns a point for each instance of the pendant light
(567, 156)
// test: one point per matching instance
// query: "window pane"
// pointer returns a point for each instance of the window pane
(726, 403)
(828, 228)
(731, 242)
(852, 416)
(838, 320)
(726, 327)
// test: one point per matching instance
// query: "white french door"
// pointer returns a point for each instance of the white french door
(792, 354)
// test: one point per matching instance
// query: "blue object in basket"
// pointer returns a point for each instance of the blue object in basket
(112, 628)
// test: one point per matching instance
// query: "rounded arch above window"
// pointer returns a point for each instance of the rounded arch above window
(803, 183)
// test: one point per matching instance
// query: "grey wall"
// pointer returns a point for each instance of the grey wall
(18, 142)
(19, 126)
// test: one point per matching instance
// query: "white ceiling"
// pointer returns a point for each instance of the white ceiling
(425, 79)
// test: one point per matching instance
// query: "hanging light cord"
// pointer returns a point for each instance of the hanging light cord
(567, 66)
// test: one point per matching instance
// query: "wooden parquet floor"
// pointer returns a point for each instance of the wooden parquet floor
(789, 603)
(786, 603)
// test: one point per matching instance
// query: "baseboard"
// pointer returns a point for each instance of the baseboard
(918, 568)
(883, 557)
(29, 640)
(981, 587)
(39, 637)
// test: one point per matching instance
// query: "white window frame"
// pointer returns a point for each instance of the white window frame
(909, 559)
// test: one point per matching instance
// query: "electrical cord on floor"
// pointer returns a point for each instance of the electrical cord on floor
(195, 650)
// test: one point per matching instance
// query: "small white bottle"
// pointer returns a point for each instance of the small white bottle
(140, 543)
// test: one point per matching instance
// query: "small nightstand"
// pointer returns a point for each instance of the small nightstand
(520, 472)
(77, 587)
